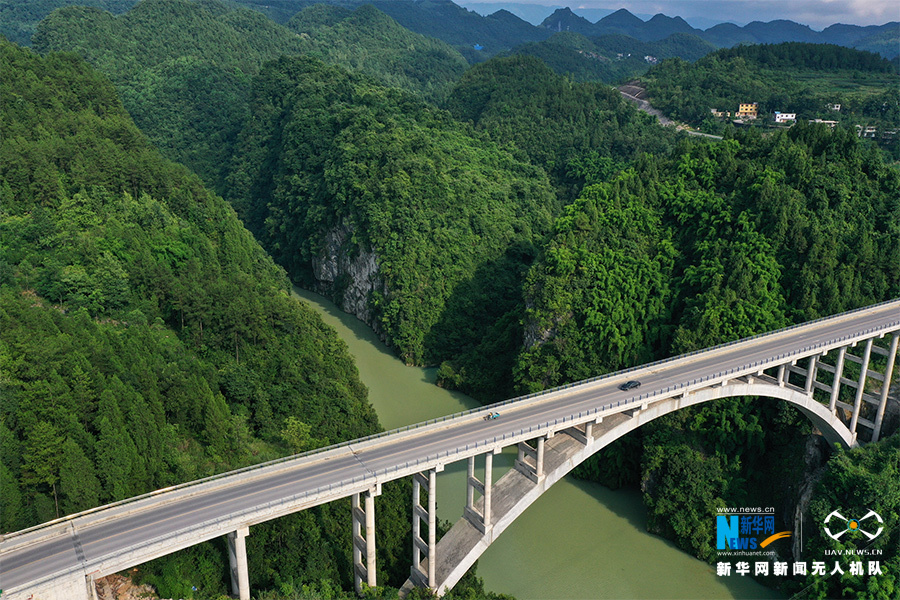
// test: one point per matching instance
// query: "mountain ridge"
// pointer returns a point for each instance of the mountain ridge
(661, 26)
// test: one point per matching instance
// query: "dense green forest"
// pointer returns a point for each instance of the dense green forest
(577, 132)
(19, 18)
(380, 199)
(610, 58)
(532, 231)
(369, 41)
(714, 243)
(791, 77)
(183, 67)
(146, 338)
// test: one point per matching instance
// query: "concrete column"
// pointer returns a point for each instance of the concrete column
(886, 384)
(488, 475)
(588, 430)
(363, 511)
(781, 376)
(836, 384)
(237, 559)
(417, 524)
(370, 539)
(356, 539)
(539, 464)
(432, 528)
(863, 372)
(811, 370)
(470, 491)
(420, 546)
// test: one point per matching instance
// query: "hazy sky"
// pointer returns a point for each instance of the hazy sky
(818, 14)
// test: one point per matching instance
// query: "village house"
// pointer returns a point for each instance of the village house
(781, 117)
(747, 110)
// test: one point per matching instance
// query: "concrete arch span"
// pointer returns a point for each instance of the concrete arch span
(464, 543)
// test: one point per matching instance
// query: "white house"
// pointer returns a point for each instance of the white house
(781, 117)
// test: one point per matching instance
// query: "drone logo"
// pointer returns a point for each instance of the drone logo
(853, 525)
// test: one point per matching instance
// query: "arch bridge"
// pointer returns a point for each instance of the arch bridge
(836, 371)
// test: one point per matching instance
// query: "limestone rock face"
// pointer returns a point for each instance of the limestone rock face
(349, 274)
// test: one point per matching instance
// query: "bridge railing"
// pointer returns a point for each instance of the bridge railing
(619, 406)
(485, 408)
(340, 489)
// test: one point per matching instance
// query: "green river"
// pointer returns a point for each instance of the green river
(579, 540)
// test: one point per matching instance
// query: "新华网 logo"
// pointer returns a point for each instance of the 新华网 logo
(746, 531)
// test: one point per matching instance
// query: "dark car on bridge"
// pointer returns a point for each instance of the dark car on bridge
(630, 385)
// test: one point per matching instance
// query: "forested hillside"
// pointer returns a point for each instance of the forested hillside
(531, 231)
(146, 339)
(578, 132)
(610, 58)
(18, 18)
(714, 243)
(183, 68)
(377, 198)
(793, 78)
(369, 41)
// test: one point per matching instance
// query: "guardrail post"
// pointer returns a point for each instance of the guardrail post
(888, 373)
(237, 559)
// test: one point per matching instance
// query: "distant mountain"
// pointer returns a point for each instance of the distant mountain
(533, 13)
(726, 35)
(462, 28)
(885, 42)
(564, 19)
(660, 24)
(775, 32)
(479, 37)
(611, 58)
(882, 39)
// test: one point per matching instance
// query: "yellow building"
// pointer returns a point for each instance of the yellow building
(748, 110)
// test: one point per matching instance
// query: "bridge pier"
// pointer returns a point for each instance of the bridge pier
(237, 559)
(364, 572)
(420, 573)
(811, 371)
(584, 435)
(482, 520)
(527, 453)
(885, 386)
(836, 383)
(861, 386)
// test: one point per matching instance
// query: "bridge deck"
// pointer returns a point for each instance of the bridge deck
(117, 537)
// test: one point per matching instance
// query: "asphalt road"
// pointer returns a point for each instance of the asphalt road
(85, 540)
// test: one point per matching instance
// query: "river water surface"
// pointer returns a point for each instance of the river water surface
(579, 540)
